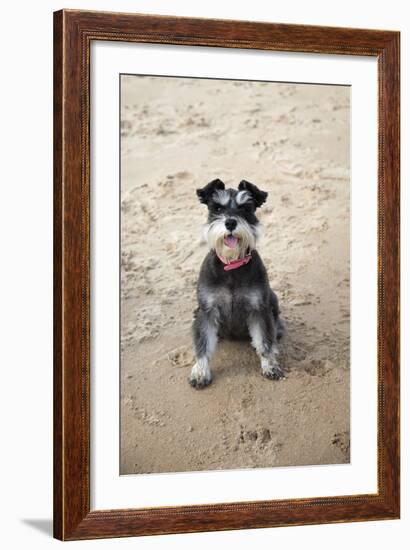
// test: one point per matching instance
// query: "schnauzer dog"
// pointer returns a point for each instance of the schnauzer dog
(234, 297)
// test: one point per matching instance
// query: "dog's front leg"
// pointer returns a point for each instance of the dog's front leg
(262, 330)
(205, 335)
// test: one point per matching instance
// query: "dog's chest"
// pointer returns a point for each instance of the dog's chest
(237, 301)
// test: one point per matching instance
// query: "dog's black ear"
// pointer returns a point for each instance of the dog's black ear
(258, 196)
(206, 192)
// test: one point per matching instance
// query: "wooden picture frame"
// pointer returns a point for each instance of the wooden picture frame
(73, 33)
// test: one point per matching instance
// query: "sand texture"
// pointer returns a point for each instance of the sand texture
(292, 141)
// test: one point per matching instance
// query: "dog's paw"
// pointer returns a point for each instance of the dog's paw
(199, 384)
(271, 370)
(200, 377)
(274, 374)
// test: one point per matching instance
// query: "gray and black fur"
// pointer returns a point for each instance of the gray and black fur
(236, 304)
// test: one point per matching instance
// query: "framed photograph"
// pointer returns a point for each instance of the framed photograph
(226, 275)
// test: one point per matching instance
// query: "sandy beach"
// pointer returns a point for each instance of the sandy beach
(293, 142)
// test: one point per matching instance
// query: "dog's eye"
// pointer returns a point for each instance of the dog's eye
(218, 208)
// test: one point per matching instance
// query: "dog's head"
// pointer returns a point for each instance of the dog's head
(233, 228)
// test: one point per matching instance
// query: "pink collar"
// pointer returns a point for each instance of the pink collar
(234, 264)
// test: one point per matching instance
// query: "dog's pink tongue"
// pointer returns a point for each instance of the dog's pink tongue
(231, 241)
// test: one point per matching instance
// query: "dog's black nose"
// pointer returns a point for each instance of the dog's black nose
(230, 224)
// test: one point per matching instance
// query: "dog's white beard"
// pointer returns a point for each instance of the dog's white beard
(215, 232)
